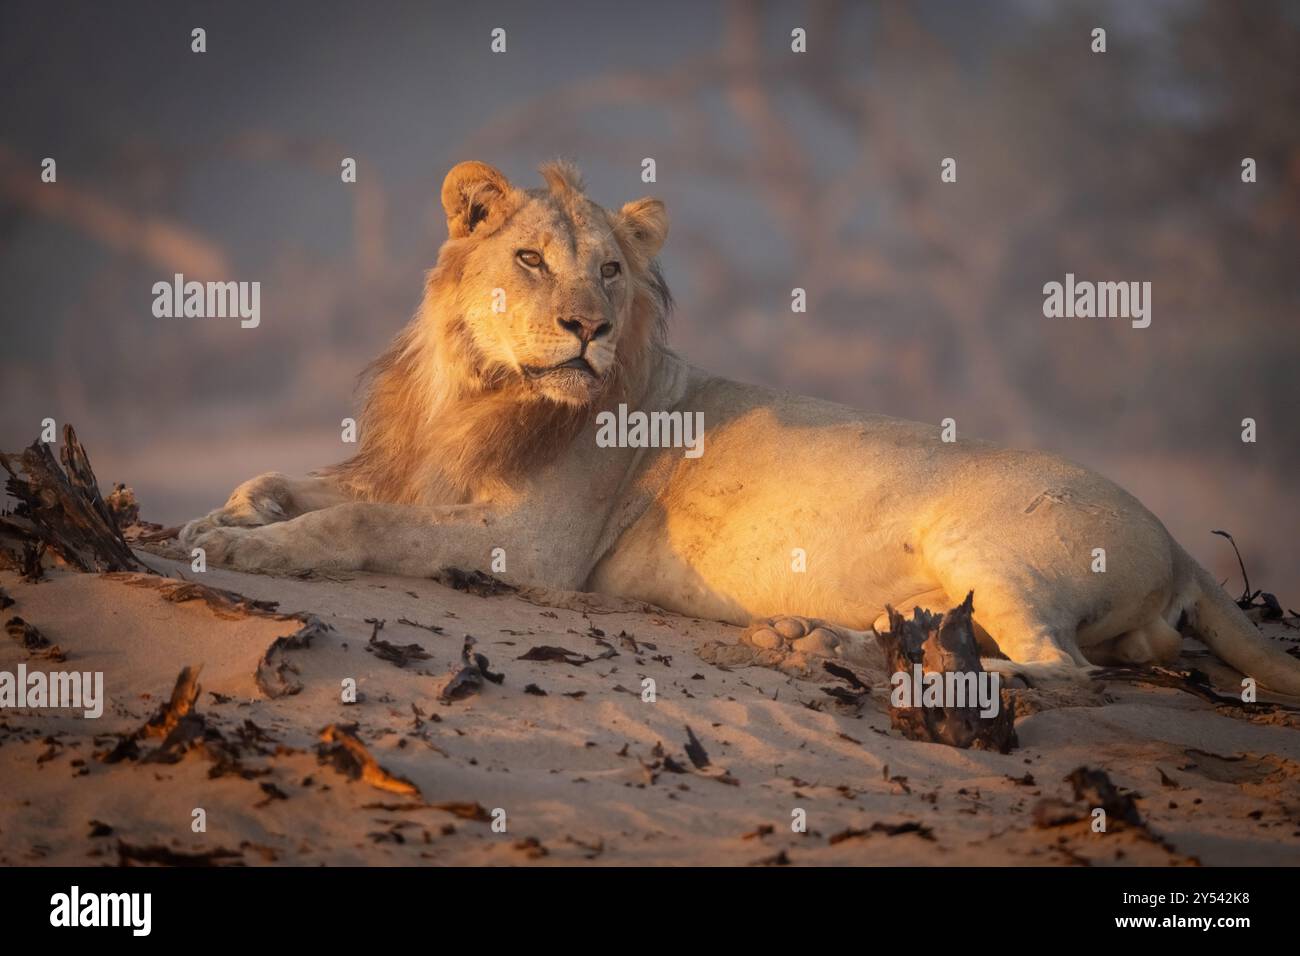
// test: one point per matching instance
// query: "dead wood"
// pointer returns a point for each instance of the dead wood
(397, 654)
(36, 644)
(178, 709)
(181, 702)
(468, 679)
(473, 582)
(62, 509)
(122, 503)
(184, 731)
(1197, 683)
(944, 644)
(276, 675)
(156, 854)
(229, 605)
(343, 750)
(1094, 790)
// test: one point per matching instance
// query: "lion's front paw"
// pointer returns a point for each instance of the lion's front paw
(247, 549)
(260, 501)
(197, 528)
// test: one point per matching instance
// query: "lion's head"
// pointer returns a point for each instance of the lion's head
(543, 307)
(544, 291)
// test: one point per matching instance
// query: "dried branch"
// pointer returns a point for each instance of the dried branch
(64, 511)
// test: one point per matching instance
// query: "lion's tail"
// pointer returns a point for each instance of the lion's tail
(1217, 621)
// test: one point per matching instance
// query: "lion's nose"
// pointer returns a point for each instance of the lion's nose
(584, 327)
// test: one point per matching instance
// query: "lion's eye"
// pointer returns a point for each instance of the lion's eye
(610, 269)
(529, 258)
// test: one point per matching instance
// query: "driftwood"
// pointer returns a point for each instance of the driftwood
(1192, 681)
(943, 644)
(62, 509)
(32, 640)
(398, 655)
(228, 605)
(473, 582)
(178, 706)
(175, 713)
(468, 679)
(122, 503)
(276, 674)
(341, 749)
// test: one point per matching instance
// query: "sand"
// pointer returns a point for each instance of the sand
(567, 756)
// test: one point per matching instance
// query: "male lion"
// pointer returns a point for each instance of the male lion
(479, 432)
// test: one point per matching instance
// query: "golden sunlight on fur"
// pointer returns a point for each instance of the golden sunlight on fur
(546, 310)
(451, 409)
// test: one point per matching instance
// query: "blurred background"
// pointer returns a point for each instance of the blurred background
(779, 170)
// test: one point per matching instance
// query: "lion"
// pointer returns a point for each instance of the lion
(546, 313)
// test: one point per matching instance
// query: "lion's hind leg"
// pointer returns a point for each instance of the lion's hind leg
(1037, 651)
(1035, 635)
(808, 635)
(1154, 643)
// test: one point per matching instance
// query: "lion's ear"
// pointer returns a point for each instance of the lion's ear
(473, 193)
(643, 225)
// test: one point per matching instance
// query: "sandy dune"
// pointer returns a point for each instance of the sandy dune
(583, 768)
